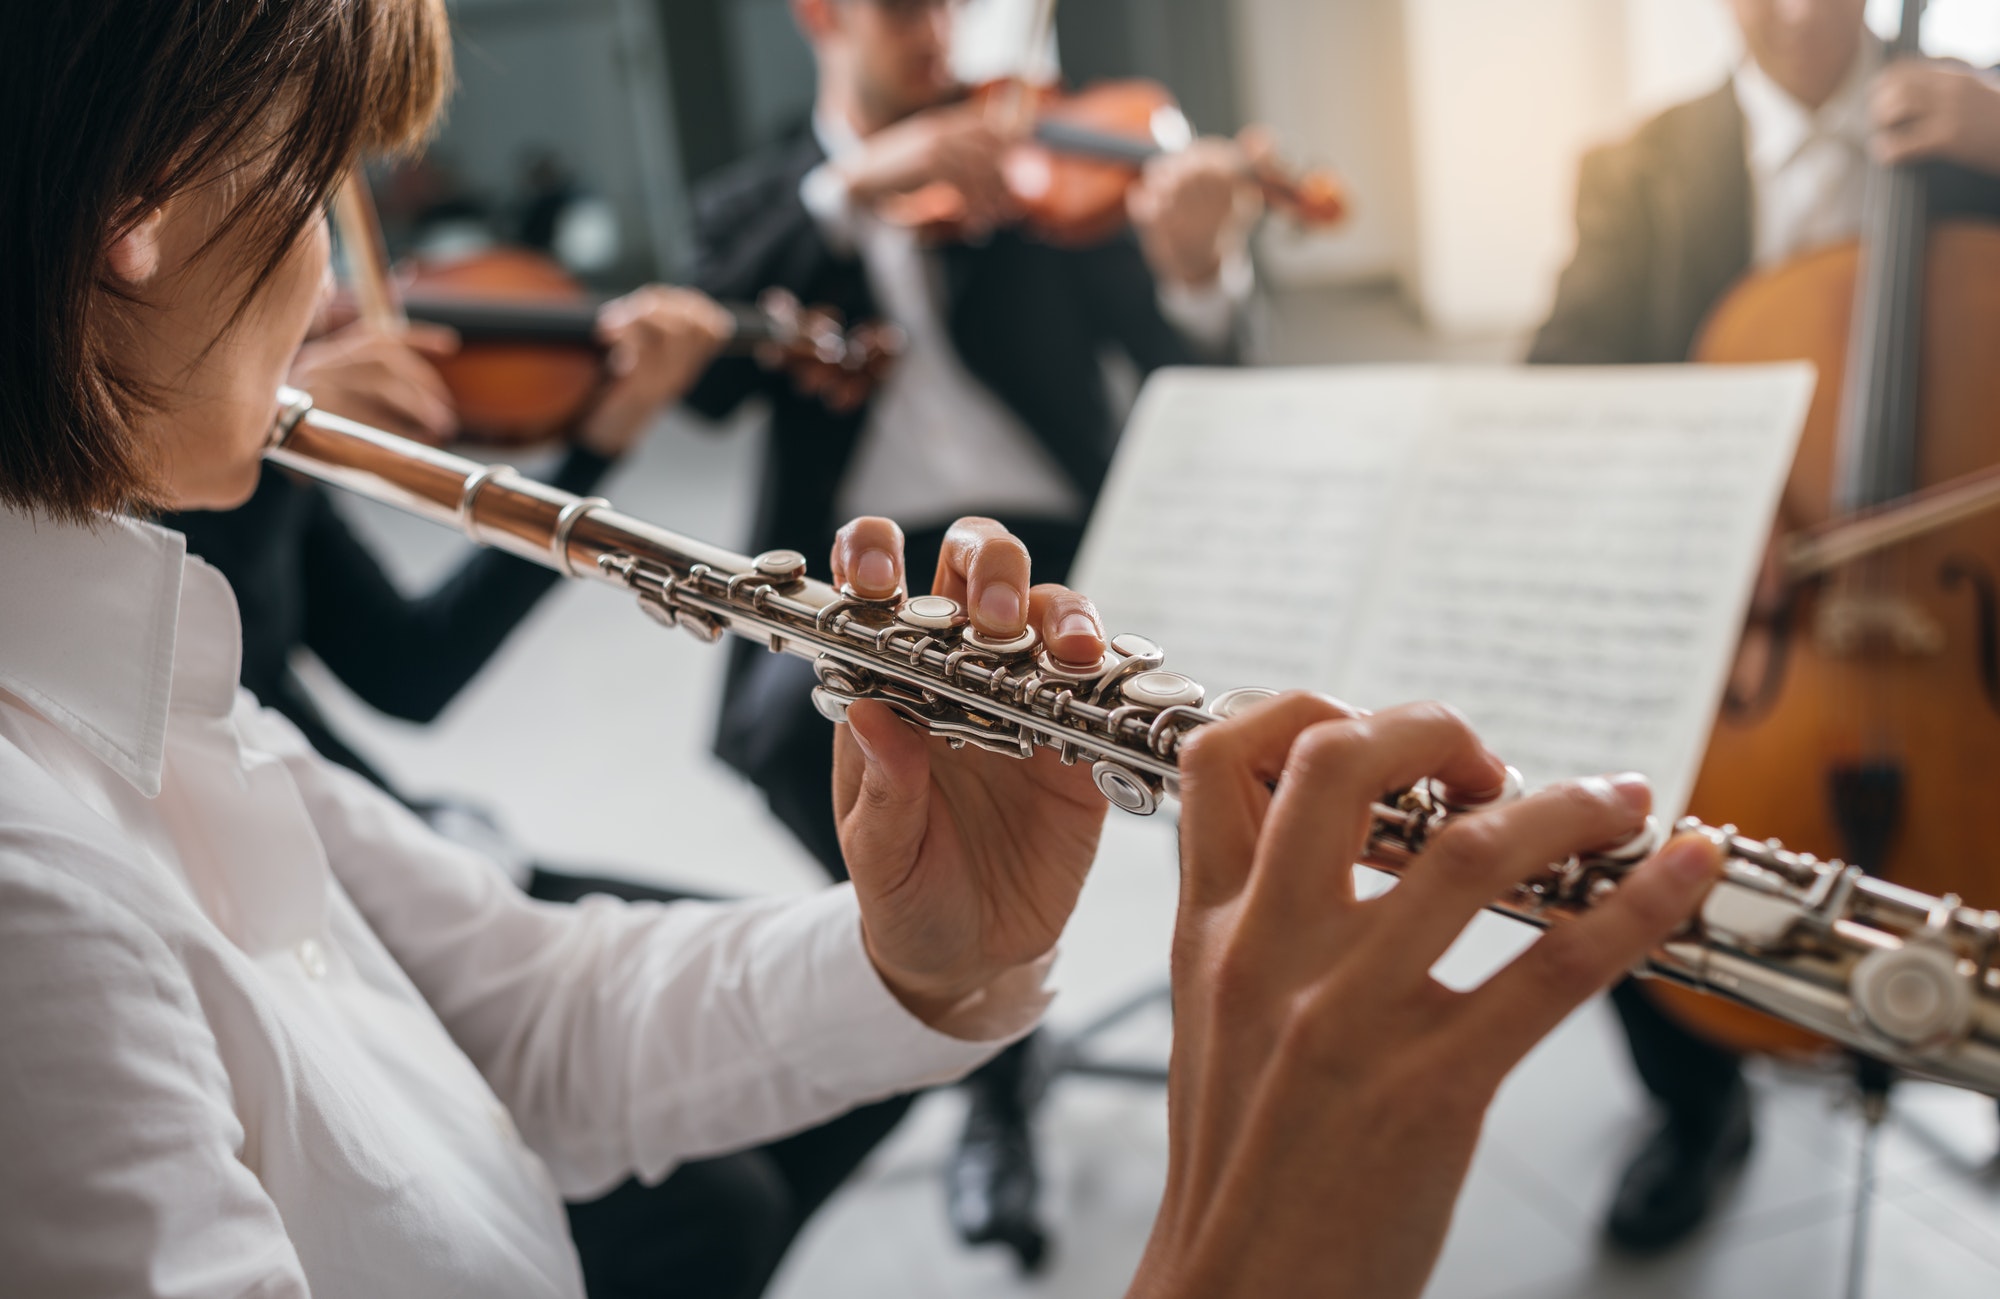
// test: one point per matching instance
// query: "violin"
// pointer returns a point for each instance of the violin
(1079, 152)
(1867, 724)
(529, 361)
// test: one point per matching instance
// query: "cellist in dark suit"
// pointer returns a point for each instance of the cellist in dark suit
(1769, 165)
(1000, 404)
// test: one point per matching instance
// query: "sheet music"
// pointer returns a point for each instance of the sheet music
(1563, 554)
(1244, 491)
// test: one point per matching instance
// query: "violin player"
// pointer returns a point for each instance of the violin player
(1768, 166)
(999, 404)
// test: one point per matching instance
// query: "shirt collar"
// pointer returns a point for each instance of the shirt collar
(1778, 127)
(101, 634)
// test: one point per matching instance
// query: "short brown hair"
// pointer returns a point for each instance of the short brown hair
(110, 107)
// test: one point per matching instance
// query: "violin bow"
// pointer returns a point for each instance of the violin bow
(364, 250)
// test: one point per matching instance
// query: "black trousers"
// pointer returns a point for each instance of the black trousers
(1689, 1075)
(715, 1228)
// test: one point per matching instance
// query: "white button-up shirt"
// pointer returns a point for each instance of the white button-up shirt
(1808, 167)
(262, 1033)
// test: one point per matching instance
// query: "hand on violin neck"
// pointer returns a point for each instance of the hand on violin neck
(953, 146)
(966, 863)
(660, 339)
(1193, 210)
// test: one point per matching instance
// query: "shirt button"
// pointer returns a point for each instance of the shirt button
(312, 956)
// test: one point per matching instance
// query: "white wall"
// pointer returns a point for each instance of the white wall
(1504, 95)
(1327, 76)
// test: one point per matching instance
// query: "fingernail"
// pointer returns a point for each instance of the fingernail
(876, 571)
(1076, 624)
(1634, 791)
(1000, 607)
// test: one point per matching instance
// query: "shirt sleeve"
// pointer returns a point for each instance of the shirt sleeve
(1207, 315)
(122, 1174)
(628, 1037)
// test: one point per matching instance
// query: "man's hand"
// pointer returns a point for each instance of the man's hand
(381, 377)
(967, 864)
(1325, 1092)
(1192, 210)
(1936, 108)
(955, 146)
(660, 341)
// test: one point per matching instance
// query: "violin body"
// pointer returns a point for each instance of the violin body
(514, 390)
(1903, 662)
(529, 361)
(1075, 198)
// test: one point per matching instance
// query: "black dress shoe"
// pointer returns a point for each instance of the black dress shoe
(991, 1185)
(1671, 1184)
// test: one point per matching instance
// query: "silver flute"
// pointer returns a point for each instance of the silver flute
(1893, 973)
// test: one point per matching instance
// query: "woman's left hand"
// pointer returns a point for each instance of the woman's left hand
(967, 863)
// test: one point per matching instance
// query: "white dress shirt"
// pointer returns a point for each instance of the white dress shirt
(262, 1033)
(1808, 167)
(938, 443)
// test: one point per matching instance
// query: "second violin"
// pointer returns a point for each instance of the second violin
(530, 359)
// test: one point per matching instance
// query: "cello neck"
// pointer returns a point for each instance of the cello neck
(1877, 448)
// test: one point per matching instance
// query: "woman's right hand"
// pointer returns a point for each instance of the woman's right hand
(1326, 1093)
(381, 377)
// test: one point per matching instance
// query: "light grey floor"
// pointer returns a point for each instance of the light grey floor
(589, 736)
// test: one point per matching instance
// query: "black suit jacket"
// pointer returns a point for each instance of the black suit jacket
(1663, 229)
(1030, 321)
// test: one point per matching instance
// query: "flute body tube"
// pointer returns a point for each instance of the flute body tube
(1893, 973)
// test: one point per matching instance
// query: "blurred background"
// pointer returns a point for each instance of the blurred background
(1457, 123)
(580, 127)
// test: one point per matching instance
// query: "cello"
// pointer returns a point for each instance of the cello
(1872, 711)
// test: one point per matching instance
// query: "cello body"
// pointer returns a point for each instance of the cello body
(1905, 666)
